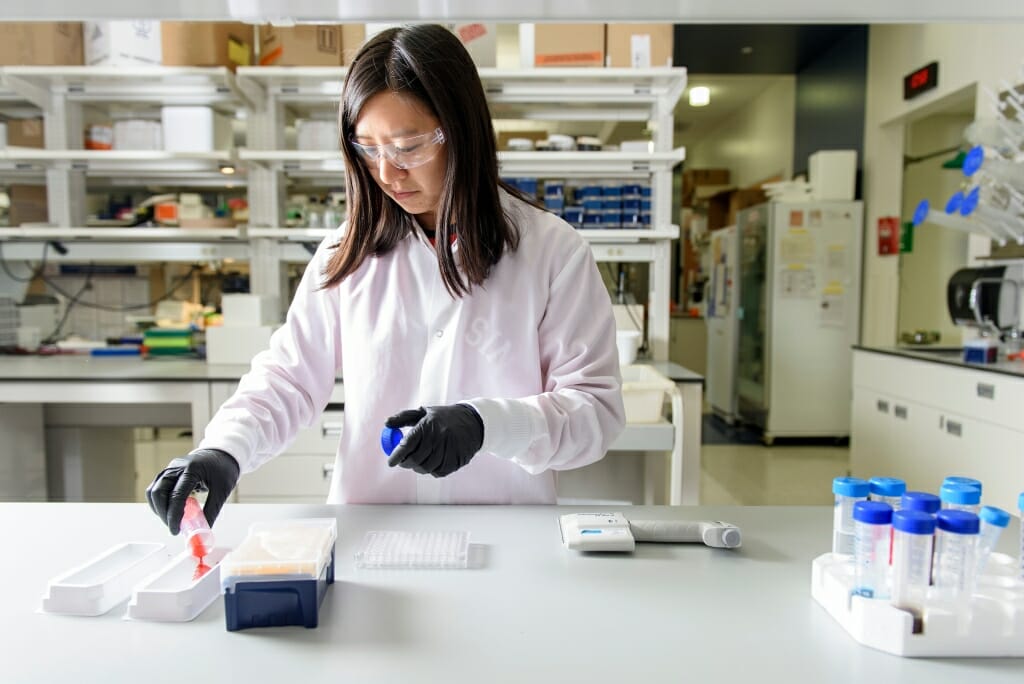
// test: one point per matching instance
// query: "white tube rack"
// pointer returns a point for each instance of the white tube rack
(995, 627)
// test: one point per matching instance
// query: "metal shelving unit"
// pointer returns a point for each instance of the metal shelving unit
(270, 96)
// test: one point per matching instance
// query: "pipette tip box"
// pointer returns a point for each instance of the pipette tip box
(279, 575)
(993, 628)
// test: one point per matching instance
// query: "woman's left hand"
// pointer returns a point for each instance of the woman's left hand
(442, 439)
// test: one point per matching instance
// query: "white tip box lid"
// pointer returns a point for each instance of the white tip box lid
(282, 548)
(103, 582)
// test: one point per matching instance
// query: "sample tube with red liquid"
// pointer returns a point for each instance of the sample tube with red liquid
(197, 533)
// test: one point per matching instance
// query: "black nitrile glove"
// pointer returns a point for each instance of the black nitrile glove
(212, 470)
(442, 440)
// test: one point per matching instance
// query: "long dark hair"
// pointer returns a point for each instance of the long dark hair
(429, 63)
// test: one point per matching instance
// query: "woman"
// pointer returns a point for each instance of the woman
(445, 290)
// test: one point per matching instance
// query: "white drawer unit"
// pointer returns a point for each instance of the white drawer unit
(288, 478)
(921, 421)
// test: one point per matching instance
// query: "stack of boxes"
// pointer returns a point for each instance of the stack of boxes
(607, 205)
(596, 45)
(248, 323)
(167, 342)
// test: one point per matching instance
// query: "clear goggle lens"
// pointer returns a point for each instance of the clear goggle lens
(406, 153)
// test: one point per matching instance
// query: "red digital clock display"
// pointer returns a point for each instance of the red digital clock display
(922, 80)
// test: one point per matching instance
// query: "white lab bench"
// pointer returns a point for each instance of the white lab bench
(530, 611)
(79, 390)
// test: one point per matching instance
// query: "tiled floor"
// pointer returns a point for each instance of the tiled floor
(756, 475)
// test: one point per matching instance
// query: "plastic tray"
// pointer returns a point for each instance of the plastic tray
(174, 593)
(276, 601)
(289, 548)
(103, 582)
(390, 549)
(995, 629)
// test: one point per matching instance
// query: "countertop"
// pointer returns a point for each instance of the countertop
(529, 611)
(78, 367)
(949, 356)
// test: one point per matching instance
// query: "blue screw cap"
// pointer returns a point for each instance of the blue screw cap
(872, 512)
(850, 486)
(913, 522)
(994, 516)
(970, 202)
(973, 160)
(921, 213)
(958, 522)
(1020, 501)
(920, 501)
(954, 202)
(970, 481)
(963, 495)
(887, 486)
(389, 439)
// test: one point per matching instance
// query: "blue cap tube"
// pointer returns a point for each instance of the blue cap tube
(956, 479)
(850, 486)
(913, 522)
(887, 486)
(872, 512)
(957, 522)
(920, 501)
(963, 495)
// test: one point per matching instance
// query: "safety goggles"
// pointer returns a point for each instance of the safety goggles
(405, 153)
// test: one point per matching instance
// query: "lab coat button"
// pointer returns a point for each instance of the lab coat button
(439, 333)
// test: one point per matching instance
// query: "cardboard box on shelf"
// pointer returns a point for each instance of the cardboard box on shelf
(26, 133)
(305, 45)
(564, 45)
(206, 43)
(640, 45)
(696, 177)
(505, 136)
(481, 41)
(40, 43)
(352, 38)
(28, 204)
(741, 199)
(122, 43)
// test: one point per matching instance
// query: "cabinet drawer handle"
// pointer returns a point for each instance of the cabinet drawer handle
(986, 391)
(883, 406)
(328, 470)
(899, 411)
(954, 428)
(330, 429)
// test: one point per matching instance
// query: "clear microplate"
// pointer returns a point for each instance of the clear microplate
(175, 593)
(414, 550)
(104, 581)
(283, 548)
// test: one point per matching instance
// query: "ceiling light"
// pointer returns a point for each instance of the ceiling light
(700, 96)
(227, 169)
(746, 50)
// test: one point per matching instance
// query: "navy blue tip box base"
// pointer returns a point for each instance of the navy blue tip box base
(279, 574)
(277, 601)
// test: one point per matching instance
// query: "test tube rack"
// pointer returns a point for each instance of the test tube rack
(995, 627)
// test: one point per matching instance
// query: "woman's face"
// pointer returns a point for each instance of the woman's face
(393, 118)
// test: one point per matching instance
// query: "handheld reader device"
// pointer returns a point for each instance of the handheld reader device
(613, 532)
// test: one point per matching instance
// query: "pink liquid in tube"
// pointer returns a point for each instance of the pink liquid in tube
(196, 529)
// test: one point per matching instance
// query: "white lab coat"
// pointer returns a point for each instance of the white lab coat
(533, 350)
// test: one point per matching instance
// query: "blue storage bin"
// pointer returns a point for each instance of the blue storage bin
(645, 190)
(589, 191)
(631, 189)
(573, 214)
(556, 203)
(554, 188)
(591, 220)
(631, 204)
(591, 204)
(614, 204)
(645, 219)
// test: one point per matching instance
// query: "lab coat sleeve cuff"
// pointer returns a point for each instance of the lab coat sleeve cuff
(508, 426)
(236, 445)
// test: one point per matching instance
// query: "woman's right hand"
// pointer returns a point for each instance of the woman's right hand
(212, 470)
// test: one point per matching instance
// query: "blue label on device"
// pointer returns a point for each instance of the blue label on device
(590, 531)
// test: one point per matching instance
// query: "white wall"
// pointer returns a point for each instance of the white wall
(968, 54)
(937, 251)
(756, 143)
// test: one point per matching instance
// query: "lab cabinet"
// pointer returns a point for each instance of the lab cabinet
(303, 472)
(921, 421)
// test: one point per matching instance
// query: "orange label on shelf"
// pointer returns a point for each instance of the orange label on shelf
(596, 57)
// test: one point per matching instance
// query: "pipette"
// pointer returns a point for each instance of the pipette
(925, 214)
